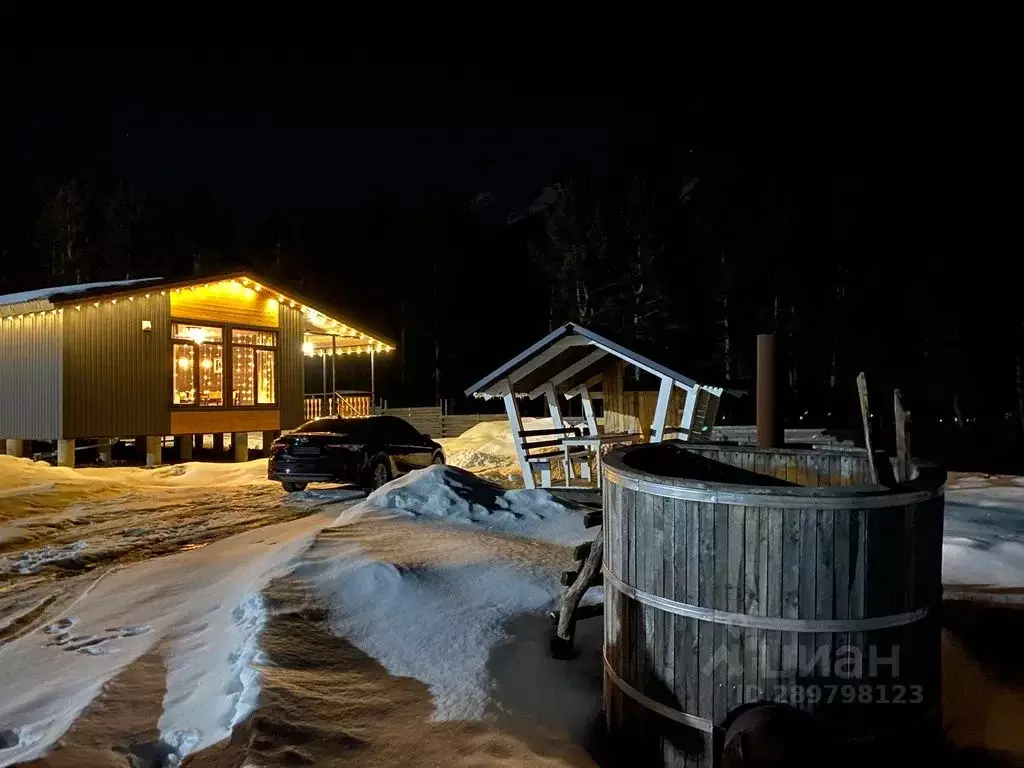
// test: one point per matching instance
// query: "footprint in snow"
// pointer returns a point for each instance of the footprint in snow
(93, 645)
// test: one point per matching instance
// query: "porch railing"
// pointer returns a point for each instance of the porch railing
(320, 404)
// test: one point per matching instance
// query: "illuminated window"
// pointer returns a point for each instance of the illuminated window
(253, 366)
(198, 364)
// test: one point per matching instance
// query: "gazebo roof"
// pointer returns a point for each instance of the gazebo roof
(567, 358)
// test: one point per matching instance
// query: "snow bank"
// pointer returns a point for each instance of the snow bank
(458, 496)
(452, 624)
(19, 477)
(488, 446)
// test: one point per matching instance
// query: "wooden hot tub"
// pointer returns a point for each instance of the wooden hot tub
(735, 576)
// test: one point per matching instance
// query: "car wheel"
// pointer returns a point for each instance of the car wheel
(438, 459)
(293, 487)
(379, 475)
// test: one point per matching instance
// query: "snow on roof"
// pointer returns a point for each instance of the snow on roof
(45, 294)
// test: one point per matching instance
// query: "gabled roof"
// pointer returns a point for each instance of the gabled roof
(323, 319)
(570, 354)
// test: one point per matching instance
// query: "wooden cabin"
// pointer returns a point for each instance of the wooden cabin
(151, 358)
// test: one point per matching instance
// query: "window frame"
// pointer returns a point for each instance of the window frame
(255, 362)
(175, 341)
(228, 356)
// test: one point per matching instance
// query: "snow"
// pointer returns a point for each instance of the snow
(444, 619)
(43, 294)
(487, 449)
(201, 607)
(440, 576)
(455, 495)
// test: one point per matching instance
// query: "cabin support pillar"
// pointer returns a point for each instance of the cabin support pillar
(15, 447)
(65, 453)
(184, 444)
(268, 439)
(218, 442)
(105, 451)
(154, 450)
(240, 446)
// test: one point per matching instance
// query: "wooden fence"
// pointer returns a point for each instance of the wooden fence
(431, 421)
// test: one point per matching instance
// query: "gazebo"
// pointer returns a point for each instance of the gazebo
(570, 362)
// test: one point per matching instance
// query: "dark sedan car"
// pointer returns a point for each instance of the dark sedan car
(366, 451)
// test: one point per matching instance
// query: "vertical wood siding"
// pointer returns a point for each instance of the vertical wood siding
(841, 563)
(117, 377)
(30, 376)
(290, 368)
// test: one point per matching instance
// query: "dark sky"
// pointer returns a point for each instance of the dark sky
(905, 130)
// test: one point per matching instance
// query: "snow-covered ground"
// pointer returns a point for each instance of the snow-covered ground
(198, 612)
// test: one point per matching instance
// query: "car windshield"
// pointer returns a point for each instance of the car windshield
(351, 427)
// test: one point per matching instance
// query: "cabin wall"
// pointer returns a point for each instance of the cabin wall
(30, 376)
(290, 381)
(117, 376)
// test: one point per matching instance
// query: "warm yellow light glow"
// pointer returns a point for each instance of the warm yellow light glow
(272, 304)
(113, 301)
(78, 308)
(184, 362)
(258, 287)
(248, 291)
(198, 335)
(147, 295)
(131, 298)
(96, 304)
(307, 348)
(207, 363)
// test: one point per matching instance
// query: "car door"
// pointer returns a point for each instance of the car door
(410, 449)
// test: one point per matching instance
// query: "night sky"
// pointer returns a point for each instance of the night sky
(369, 178)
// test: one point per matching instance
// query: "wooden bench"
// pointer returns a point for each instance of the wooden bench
(541, 462)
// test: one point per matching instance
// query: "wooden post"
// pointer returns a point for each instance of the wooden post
(661, 410)
(865, 415)
(184, 443)
(689, 407)
(588, 411)
(240, 446)
(551, 398)
(218, 442)
(903, 454)
(515, 423)
(154, 450)
(15, 447)
(65, 453)
(562, 643)
(767, 437)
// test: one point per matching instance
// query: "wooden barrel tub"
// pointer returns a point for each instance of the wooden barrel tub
(736, 576)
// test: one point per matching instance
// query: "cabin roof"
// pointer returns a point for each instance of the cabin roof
(321, 322)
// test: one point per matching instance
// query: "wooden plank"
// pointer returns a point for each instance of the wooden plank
(735, 602)
(903, 455)
(719, 568)
(865, 414)
(651, 556)
(706, 598)
(824, 588)
(774, 599)
(790, 592)
(225, 303)
(692, 661)
(808, 576)
(751, 598)
(211, 420)
(666, 643)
